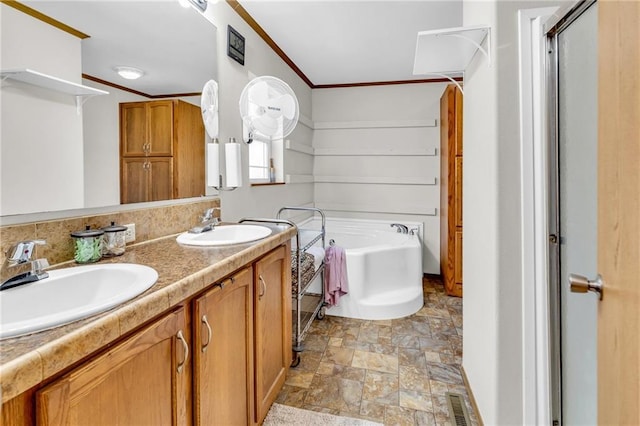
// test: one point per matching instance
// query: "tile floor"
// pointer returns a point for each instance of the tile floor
(394, 372)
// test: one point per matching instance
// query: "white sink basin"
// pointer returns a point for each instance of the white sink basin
(70, 294)
(224, 235)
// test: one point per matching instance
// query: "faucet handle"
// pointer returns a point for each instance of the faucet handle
(22, 251)
(38, 266)
(208, 214)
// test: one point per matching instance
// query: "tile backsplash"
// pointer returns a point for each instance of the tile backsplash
(151, 223)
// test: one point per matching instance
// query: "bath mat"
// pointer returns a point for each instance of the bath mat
(281, 415)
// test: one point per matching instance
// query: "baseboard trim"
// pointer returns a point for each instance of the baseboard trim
(471, 397)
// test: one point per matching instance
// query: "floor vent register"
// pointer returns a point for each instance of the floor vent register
(457, 410)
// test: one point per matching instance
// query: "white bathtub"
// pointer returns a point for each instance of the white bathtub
(384, 268)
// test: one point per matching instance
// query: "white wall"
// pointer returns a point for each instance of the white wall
(101, 124)
(39, 120)
(492, 309)
(258, 201)
(357, 177)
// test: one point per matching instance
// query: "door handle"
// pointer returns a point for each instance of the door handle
(581, 284)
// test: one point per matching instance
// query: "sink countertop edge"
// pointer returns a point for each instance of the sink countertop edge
(59, 348)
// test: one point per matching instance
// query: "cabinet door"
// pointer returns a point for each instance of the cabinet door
(134, 178)
(160, 125)
(457, 190)
(458, 258)
(188, 153)
(272, 280)
(160, 178)
(133, 129)
(458, 122)
(223, 375)
(141, 381)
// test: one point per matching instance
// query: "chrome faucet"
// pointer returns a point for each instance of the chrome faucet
(207, 222)
(401, 228)
(17, 258)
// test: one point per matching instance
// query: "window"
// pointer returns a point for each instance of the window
(259, 161)
(266, 161)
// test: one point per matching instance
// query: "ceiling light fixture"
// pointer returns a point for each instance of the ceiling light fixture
(199, 4)
(130, 73)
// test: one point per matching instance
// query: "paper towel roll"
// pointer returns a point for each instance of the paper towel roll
(213, 164)
(234, 164)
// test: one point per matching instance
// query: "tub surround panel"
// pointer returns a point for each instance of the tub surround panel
(183, 272)
(372, 150)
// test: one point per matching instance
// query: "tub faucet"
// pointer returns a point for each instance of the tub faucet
(208, 222)
(18, 256)
(401, 228)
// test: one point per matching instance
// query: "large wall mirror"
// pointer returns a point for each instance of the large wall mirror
(175, 47)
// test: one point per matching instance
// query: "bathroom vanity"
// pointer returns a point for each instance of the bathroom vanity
(209, 343)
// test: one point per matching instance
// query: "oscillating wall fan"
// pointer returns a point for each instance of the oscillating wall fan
(209, 106)
(269, 108)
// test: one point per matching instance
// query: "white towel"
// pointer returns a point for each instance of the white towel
(318, 255)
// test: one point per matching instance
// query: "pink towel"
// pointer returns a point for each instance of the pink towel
(335, 275)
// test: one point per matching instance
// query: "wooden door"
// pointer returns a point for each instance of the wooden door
(272, 280)
(223, 358)
(141, 381)
(133, 129)
(160, 172)
(618, 212)
(160, 128)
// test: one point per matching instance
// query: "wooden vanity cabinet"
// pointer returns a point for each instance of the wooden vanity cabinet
(223, 353)
(272, 301)
(220, 358)
(162, 147)
(144, 380)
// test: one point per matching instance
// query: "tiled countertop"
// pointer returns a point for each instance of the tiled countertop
(182, 273)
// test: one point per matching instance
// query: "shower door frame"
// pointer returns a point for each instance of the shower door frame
(553, 28)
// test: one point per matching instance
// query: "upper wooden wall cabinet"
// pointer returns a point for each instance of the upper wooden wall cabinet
(161, 145)
(451, 189)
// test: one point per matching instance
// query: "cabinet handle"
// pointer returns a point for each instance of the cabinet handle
(206, 322)
(263, 287)
(185, 349)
